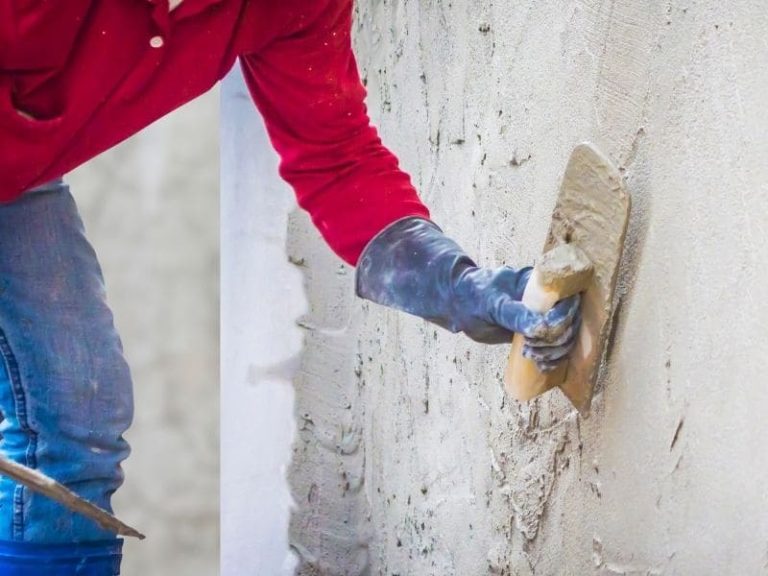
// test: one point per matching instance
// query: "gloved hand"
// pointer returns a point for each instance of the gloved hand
(412, 266)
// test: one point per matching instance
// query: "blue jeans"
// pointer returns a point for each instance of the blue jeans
(65, 388)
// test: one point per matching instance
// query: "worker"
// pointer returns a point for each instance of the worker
(77, 78)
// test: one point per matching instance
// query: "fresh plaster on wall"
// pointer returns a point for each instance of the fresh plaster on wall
(409, 458)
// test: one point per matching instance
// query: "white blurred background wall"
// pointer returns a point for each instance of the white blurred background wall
(150, 208)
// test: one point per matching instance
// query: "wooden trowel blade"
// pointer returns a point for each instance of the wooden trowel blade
(592, 212)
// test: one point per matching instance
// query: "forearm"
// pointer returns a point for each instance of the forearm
(307, 87)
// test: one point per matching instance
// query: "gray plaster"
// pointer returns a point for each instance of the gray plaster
(411, 459)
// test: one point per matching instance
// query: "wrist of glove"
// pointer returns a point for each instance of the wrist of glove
(412, 266)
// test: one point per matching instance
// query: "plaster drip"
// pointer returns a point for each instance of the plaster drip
(608, 568)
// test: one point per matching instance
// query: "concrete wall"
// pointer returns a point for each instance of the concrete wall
(408, 458)
(151, 211)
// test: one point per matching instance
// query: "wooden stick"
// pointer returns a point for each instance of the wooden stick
(562, 272)
(39, 482)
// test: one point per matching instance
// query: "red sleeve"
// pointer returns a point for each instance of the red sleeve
(307, 87)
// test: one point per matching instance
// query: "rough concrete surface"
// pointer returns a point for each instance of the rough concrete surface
(409, 459)
(150, 208)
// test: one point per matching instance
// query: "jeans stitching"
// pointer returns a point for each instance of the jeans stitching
(20, 401)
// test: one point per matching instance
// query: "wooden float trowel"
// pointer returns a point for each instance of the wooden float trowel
(581, 254)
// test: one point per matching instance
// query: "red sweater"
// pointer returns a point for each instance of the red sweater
(80, 76)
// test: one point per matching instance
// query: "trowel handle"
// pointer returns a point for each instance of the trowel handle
(563, 272)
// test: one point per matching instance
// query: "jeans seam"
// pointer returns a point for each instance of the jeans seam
(30, 458)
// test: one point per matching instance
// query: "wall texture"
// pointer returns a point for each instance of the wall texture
(150, 208)
(409, 459)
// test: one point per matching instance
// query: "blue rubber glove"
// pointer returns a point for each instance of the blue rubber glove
(412, 266)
